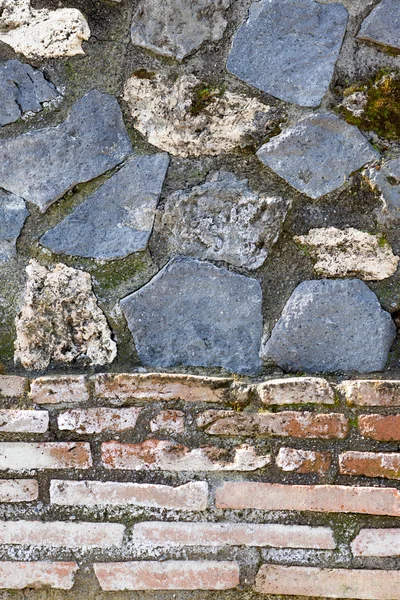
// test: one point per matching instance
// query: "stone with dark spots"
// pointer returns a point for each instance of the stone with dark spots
(382, 25)
(13, 213)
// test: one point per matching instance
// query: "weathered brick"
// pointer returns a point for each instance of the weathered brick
(97, 420)
(283, 424)
(328, 583)
(63, 389)
(319, 498)
(296, 390)
(168, 575)
(12, 386)
(24, 456)
(172, 421)
(303, 461)
(370, 464)
(18, 490)
(58, 534)
(377, 542)
(24, 421)
(371, 392)
(379, 427)
(15, 575)
(190, 496)
(233, 534)
(152, 455)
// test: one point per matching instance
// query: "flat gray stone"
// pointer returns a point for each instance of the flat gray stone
(193, 313)
(386, 181)
(41, 166)
(332, 325)
(382, 26)
(22, 90)
(117, 219)
(13, 214)
(289, 48)
(317, 155)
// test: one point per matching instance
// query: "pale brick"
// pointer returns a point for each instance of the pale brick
(371, 392)
(190, 496)
(58, 534)
(168, 575)
(98, 420)
(153, 455)
(303, 461)
(18, 490)
(377, 542)
(172, 421)
(12, 386)
(319, 498)
(15, 575)
(296, 390)
(328, 583)
(370, 464)
(25, 456)
(24, 421)
(380, 427)
(233, 534)
(65, 389)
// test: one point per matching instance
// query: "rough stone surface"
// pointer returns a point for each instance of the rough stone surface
(60, 320)
(293, 460)
(13, 214)
(42, 165)
(223, 219)
(371, 392)
(332, 325)
(196, 314)
(349, 252)
(176, 28)
(386, 181)
(163, 112)
(317, 155)
(117, 219)
(295, 390)
(42, 33)
(377, 542)
(382, 25)
(302, 41)
(17, 575)
(67, 389)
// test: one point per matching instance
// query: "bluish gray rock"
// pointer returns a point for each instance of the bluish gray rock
(318, 154)
(385, 179)
(118, 218)
(193, 313)
(332, 325)
(13, 214)
(382, 26)
(41, 166)
(289, 48)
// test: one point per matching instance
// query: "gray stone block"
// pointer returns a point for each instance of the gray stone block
(289, 49)
(41, 166)
(193, 313)
(117, 219)
(317, 155)
(382, 25)
(13, 214)
(329, 326)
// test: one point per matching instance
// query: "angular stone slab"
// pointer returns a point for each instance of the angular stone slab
(382, 26)
(332, 325)
(118, 218)
(13, 213)
(317, 155)
(196, 314)
(41, 166)
(289, 49)
(386, 180)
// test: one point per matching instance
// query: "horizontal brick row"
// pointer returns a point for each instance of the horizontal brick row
(16, 575)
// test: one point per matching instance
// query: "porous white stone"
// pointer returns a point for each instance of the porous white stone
(382, 25)
(385, 179)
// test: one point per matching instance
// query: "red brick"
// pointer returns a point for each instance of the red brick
(172, 421)
(12, 386)
(370, 464)
(379, 427)
(24, 456)
(320, 498)
(18, 490)
(98, 420)
(303, 461)
(168, 575)
(377, 542)
(328, 583)
(16, 575)
(155, 455)
(24, 421)
(62, 389)
(370, 392)
(296, 390)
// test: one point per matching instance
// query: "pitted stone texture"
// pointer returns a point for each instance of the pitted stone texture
(332, 325)
(289, 49)
(163, 112)
(382, 25)
(196, 314)
(117, 219)
(22, 90)
(317, 155)
(176, 28)
(13, 214)
(349, 252)
(41, 166)
(60, 320)
(386, 181)
(42, 33)
(223, 219)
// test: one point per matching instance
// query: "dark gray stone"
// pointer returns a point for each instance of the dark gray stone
(41, 166)
(385, 179)
(289, 48)
(22, 89)
(193, 313)
(318, 154)
(118, 218)
(332, 325)
(382, 25)
(13, 213)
